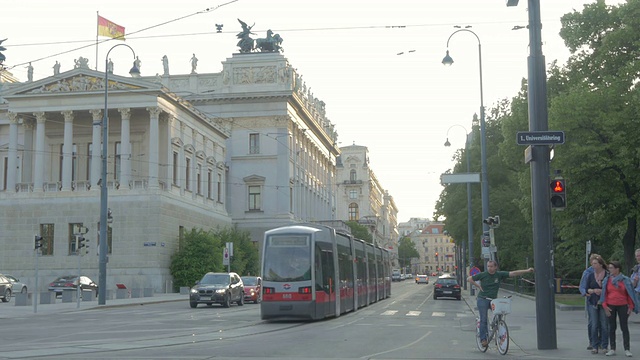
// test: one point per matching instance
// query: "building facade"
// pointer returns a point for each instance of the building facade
(249, 146)
(437, 250)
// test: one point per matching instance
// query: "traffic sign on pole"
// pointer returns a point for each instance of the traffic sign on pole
(540, 137)
(225, 256)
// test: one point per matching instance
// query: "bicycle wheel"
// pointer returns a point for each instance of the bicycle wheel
(502, 337)
(478, 341)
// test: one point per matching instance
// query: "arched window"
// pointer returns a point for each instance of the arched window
(353, 176)
(354, 214)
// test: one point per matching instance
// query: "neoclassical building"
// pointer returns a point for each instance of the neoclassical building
(249, 146)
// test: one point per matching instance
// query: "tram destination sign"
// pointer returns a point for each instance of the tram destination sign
(540, 137)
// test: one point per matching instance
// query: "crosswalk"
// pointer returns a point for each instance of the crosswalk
(415, 313)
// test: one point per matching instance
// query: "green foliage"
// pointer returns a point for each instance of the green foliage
(595, 100)
(202, 251)
(360, 231)
(406, 251)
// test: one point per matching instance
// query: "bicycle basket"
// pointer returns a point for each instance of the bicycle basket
(501, 306)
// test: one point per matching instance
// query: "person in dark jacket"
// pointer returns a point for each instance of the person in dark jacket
(598, 322)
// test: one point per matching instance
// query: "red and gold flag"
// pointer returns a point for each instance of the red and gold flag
(110, 29)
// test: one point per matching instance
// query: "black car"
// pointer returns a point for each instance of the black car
(70, 282)
(218, 288)
(6, 288)
(447, 287)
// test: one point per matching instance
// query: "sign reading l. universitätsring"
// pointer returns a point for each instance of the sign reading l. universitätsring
(540, 137)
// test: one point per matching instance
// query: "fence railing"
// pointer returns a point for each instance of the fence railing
(527, 286)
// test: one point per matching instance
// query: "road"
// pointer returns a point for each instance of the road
(409, 325)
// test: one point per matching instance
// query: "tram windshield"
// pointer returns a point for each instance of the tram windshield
(287, 258)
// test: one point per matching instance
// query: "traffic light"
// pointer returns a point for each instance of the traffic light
(80, 242)
(558, 194)
(38, 242)
(436, 255)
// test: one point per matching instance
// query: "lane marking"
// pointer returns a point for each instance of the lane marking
(389, 312)
(437, 314)
(414, 313)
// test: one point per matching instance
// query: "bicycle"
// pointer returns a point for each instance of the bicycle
(498, 329)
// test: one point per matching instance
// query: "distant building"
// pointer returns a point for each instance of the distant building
(361, 197)
(429, 241)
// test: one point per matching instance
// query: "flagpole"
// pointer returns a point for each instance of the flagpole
(97, 32)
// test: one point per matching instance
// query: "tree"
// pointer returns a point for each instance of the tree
(406, 251)
(360, 231)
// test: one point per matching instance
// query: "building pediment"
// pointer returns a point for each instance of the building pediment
(254, 179)
(78, 81)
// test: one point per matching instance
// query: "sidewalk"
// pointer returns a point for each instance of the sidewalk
(11, 311)
(570, 329)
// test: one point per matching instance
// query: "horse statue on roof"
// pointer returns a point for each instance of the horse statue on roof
(269, 44)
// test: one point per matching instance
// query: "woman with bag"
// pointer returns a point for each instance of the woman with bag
(618, 299)
(598, 322)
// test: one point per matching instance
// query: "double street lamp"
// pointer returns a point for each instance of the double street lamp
(104, 210)
(484, 181)
(469, 220)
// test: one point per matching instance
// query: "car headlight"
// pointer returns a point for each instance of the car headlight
(194, 291)
(221, 291)
(253, 292)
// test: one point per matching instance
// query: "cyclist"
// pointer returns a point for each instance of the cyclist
(489, 283)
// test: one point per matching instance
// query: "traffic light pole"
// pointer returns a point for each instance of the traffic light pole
(78, 287)
(541, 208)
(35, 289)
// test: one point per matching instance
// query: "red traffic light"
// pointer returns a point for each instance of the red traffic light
(557, 186)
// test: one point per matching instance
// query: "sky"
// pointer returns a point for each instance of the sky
(376, 64)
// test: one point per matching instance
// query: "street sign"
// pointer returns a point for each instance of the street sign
(540, 137)
(225, 256)
(474, 270)
(459, 178)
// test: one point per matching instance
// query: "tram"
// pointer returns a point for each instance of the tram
(312, 271)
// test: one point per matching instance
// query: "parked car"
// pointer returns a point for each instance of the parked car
(18, 287)
(218, 288)
(6, 288)
(409, 277)
(446, 287)
(70, 282)
(422, 279)
(252, 288)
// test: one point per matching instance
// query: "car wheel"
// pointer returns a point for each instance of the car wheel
(241, 301)
(7, 296)
(227, 301)
(193, 304)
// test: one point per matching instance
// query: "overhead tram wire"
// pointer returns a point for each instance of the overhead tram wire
(102, 41)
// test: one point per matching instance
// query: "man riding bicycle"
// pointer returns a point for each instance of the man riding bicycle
(489, 283)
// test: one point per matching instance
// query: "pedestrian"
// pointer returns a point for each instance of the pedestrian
(488, 282)
(583, 290)
(598, 322)
(617, 299)
(635, 276)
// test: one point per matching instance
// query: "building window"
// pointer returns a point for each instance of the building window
(352, 175)
(254, 143)
(353, 194)
(175, 168)
(188, 173)
(109, 239)
(220, 189)
(209, 184)
(199, 180)
(46, 231)
(255, 197)
(117, 158)
(354, 214)
(73, 230)
(89, 155)
(74, 162)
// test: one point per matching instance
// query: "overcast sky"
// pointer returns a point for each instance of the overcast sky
(399, 106)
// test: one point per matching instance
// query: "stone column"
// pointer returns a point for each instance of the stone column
(154, 114)
(182, 175)
(125, 147)
(38, 179)
(194, 167)
(167, 138)
(67, 151)
(27, 154)
(12, 162)
(96, 149)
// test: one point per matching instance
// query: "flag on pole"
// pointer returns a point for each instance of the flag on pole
(110, 29)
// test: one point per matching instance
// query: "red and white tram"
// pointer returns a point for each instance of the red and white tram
(312, 271)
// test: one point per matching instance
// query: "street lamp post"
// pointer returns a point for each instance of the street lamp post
(104, 210)
(484, 181)
(469, 220)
